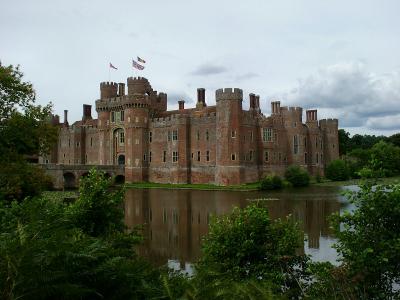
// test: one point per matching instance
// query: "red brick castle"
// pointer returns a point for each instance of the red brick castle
(222, 144)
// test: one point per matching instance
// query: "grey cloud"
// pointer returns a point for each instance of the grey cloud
(175, 96)
(357, 96)
(246, 76)
(209, 69)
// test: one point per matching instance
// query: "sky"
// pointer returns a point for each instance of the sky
(340, 57)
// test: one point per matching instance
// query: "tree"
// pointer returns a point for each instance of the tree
(337, 170)
(385, 159)
(25, 131)
(344, 139)
(297, 176)
(369, 244)
(248, 245)
(395, 139)
(271, 183)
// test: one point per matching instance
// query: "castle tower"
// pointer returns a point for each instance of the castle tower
(136, 130)
(330, 136)
(315, 143)
(228, 150)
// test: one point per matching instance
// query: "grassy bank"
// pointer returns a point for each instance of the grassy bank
(206, 187)
(387, 180)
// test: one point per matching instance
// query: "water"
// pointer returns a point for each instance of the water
(174, 221)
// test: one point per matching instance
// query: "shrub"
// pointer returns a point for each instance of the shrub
(297, 176)
(337, 170)
(271, 183)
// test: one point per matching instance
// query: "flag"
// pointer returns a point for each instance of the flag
(112, 67)
(141, 60)
(136, 65)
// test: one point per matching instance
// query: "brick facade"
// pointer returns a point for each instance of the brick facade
(222, 144)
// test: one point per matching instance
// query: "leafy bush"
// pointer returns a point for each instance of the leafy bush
(337, 170)
(247, 245)
(297, 176)
(271, 183)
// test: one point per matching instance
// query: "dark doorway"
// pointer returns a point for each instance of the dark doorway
(119, 179)
(121, 160)
(69, 180)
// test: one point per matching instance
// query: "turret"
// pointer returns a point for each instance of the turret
(121, 89)
(138, 85)
(181, 104)
(65, 117)
(108, 90)
(228, 124)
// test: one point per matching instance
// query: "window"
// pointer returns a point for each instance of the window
(276, 137)
(112, 116)
(144, 157)
(165, 216)
(175, 135)
(321, 144)
(295, 144)
(233, 157)
(169, 136)
(150, 137)
(77, 144)
(316, 142)
(251, 155)
(251, 135)
(174, 156)
(69, 142)
(305, 157)
(164, 156)
(233, 133)
(266, 156)
(208, 155)
(321, 158)
(64, 155)
(122, 115)
(305, 143)
(198, 135)
(279, 156)
(150, 156)
(121, 137)
(207, 135)
(198, 155)
(267, 134)
(316, 156)
(91, 142)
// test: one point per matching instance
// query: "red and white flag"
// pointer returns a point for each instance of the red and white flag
(112, 67)
(136, 65)
(141, 60)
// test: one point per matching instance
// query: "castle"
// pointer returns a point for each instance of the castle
(221, 144)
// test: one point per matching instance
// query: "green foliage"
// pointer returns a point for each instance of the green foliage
(13, 91)
(98, 211)
(366, 173)
(337, 170)
(297, 176)
(47, 253)
(272, 182)
(248, 245)
(23, 134)
(368, 246)
(344, 141)
(385, 159)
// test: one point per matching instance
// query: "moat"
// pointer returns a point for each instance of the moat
(176, 220)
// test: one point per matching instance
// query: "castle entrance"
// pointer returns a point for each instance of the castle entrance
(119, 146)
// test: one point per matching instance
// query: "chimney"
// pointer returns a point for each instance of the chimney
(311, 115)
(121, 89)
(275, 107)
(66, 117)
(201, 98)
(87, 112)
(181, 104)
(252, 101)
(258, 103)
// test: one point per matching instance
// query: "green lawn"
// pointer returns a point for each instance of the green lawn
(387, 180)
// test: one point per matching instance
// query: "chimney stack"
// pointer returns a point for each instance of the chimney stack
(311, 115)
(181, 104)
(201, 98)
(87, 112)
(275, 107)
(252, 101)
(121, 89)
(66, 117)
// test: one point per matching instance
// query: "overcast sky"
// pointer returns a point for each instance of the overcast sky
(341, 57)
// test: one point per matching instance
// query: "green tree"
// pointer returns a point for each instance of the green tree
(344, 140)
(337, 170)
(25, 131)
(297, 176)
(394, 139)
(272, 182)
(385, 159)
(248, 245)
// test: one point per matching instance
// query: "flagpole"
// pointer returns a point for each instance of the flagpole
(109, 74)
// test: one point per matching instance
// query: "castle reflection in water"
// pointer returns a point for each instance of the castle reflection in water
(174, 221)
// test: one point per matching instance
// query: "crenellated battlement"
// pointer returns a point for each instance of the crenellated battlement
(138, 85)
(228, 94)
(328, 122)
(108, 90)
